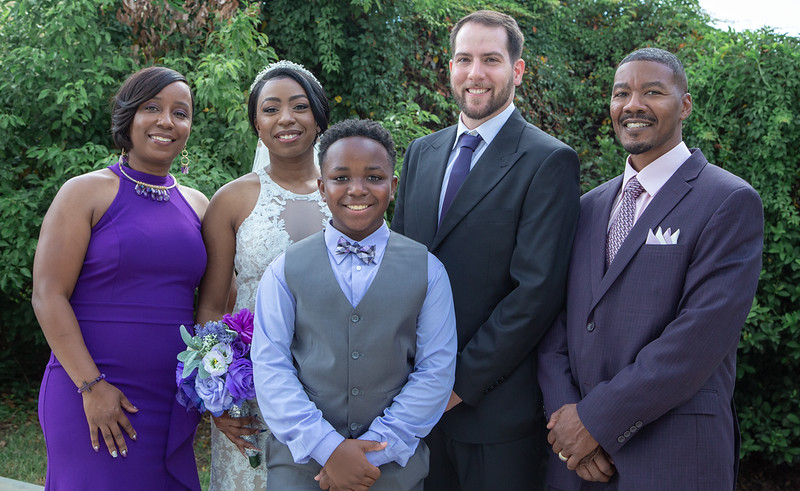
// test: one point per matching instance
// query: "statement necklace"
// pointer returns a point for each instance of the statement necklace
(144, 189)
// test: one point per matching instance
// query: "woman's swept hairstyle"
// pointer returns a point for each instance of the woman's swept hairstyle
(137, 89)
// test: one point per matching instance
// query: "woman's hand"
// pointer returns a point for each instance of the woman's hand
(234, 428)
(104, 412)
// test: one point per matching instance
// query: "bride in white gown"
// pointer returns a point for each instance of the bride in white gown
(254, 218)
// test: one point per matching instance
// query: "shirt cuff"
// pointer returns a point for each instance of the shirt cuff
(380, 457)
(322, 452)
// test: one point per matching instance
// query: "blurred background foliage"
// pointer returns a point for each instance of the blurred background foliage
(387, 60)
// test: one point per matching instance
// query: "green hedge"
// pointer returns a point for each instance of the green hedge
(387, 60)
(746, 91)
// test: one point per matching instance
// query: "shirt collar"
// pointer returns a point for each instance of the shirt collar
(489, 129)
(378, 238)
(657, 173)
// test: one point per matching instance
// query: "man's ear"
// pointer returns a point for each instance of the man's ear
(686, 105)
(519, 71)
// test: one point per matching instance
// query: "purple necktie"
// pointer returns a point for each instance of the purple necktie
(467, 145)
(624, 222)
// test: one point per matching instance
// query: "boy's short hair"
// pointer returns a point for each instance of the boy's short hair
(357, 127)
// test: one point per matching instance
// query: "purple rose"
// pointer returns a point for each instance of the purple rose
(213, 393)
(240, 348)
(187, 396)
(242, 323)
(240, 379)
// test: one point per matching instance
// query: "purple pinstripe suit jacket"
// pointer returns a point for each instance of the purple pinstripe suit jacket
(647, 349)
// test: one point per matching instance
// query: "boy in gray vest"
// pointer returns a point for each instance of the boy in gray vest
(355, 343)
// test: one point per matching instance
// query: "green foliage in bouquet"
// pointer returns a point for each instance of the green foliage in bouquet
(192, 356)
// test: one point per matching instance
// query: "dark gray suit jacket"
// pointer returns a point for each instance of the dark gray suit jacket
(648, 348)
(505, 243)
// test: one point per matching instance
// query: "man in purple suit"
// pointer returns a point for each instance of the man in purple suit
(638, 371)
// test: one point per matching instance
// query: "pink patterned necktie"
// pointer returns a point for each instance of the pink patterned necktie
(624, 222)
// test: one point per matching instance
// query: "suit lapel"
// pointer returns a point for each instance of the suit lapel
(498, 158)
(599, 226)
(662, 204)
(431, 171)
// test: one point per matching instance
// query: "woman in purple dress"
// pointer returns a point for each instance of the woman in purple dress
(119, 257)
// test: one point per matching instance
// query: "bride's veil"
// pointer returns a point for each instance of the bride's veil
(261, 159)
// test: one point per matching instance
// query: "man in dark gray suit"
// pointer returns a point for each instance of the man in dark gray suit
(639, 370)
(496, 200)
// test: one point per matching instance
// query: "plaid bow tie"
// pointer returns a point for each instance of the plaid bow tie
(366, 254)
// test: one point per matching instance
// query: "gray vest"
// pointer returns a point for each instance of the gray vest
(353, 361)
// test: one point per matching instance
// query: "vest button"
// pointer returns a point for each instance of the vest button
(355, 318)
(355, 391)
(355, 355)
(353, 426)
(590, 326)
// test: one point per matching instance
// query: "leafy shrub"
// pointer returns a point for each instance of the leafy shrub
(62, 63)
(746, 90)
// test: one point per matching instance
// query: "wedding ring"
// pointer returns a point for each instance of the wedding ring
(561, 456)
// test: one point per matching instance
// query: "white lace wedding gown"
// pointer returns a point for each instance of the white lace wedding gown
(279, 219)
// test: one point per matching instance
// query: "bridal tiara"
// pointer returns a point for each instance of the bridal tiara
(283, 64)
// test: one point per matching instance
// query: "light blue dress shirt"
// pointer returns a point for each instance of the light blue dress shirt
(488, 131)
(289, 413)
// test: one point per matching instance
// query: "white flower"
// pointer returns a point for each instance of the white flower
(214, 363)
(226, 350)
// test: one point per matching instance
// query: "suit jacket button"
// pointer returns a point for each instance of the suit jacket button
(621, 439)
(590, 326)
(639, 424)
(627, 434)
(633, 429)
(355, 318)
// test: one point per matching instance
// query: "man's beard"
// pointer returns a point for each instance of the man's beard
(636, 148)
(497, 101)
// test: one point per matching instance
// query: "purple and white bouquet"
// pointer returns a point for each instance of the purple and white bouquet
(215, 373)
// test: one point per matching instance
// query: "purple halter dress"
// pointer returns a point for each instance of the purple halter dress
(144, 261)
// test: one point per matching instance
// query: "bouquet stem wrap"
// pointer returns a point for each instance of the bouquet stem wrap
(243, 410)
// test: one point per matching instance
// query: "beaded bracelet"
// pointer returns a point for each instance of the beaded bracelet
(87, 387)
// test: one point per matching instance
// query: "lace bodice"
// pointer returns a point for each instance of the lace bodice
(279, 219)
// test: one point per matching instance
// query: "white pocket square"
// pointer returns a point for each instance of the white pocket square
(662, 238)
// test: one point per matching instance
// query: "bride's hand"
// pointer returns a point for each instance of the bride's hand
(104, 406)
(234, 428)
